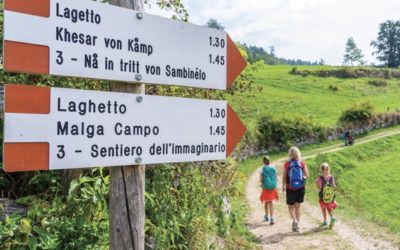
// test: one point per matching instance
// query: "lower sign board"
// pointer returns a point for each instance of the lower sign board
(54, 128)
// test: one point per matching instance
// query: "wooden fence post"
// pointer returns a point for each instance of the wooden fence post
(127, 214)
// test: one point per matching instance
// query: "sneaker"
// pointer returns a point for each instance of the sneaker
(295, 226)
(272, 222)
(332, 223)
(266, 217)
(324, 224)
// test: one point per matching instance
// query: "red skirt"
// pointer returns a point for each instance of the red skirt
(332, 205)
(268, 195)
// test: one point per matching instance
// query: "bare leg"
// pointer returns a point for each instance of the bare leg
(324, 213)
(266, 208)
(297, 211)
(291, 211)
(330, 213)
(271, 208)
(332, 222)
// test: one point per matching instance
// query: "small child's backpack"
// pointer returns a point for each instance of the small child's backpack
(327, 193)
(269, 178)
(296, 176)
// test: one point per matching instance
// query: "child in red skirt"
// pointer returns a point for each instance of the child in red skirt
(326, 184)
(268, 180)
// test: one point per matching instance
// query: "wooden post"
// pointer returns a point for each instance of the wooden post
(127, 214)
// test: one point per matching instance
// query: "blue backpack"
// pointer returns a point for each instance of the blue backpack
(296, 176)
(269, 178)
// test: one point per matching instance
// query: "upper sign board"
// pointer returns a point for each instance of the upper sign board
(84, 38)
(55, 128)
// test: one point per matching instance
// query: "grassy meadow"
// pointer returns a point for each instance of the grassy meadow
(311, 96)
(367, 177)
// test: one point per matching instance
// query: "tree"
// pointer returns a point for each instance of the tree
(353, 53)
(271, 50)
(213, 23)
(387, 44)
(179, 10)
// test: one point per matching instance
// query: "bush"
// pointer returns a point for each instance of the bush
(187, 205)
(79, 221)
(347, 72)
(333, 88)
(378, 83)
(358, 114)
(285, 132)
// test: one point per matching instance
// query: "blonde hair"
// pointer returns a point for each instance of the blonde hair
(266, 160)
(294, 154)
(324, 166)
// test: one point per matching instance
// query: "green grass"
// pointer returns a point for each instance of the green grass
(368, 181)
(249, 166)
(316, 148)
(284, 94)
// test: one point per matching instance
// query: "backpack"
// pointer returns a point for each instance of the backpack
(327, 193)
(269, 178)
(296, 176)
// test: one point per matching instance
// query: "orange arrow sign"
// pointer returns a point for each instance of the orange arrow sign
(53, 128)
(86, 39)
(236, 63)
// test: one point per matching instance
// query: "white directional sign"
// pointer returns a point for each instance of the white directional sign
(54, 128)
(85, 38)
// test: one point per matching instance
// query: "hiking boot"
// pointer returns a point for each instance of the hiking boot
(332, 223)
(272, 222)
(266, 217)
(295, 226)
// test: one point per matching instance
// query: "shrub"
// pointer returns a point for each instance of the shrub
(358, 114)
(79, 221)
(333, 88)
(285, 132)
(187, 204)
(347, 72)
(378, 83)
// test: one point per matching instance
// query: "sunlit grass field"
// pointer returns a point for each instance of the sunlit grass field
(313, 97)
(368, 181)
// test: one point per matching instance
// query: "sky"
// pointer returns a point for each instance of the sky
(298, 29)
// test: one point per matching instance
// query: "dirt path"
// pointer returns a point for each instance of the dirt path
(345, 235)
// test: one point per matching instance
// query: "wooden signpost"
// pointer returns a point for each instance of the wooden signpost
(95, 40)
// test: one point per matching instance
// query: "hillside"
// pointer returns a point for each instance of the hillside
(367, 217)
(321, 99)
(367, 177)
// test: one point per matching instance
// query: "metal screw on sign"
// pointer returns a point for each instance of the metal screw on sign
(138, 77)
(138, 160)
(139, 98)
(139, 15)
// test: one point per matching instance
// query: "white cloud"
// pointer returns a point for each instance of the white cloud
(305, 29)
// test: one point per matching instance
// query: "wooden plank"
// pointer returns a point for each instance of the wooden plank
(127, 209)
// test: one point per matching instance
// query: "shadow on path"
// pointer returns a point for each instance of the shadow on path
(260, 224)
(278, 237)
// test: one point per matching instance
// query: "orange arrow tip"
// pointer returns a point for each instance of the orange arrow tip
(235, 62)
(235, 130)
